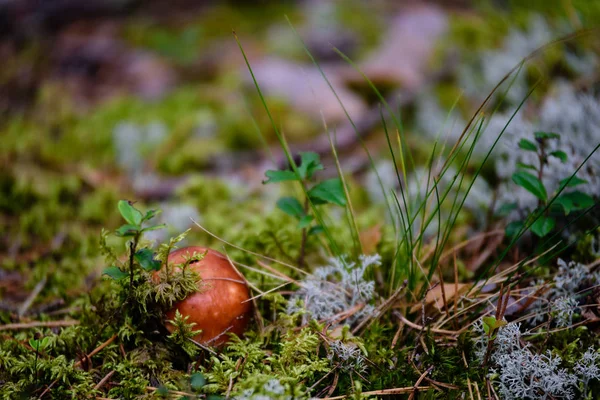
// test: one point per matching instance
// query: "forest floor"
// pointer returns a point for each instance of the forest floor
(405, 196)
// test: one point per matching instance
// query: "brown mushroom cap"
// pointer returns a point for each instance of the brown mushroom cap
(222, 305)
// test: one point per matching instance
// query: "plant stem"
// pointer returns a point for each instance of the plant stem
(132, 248)
(37, 352)
(304, 237)
(542, 158)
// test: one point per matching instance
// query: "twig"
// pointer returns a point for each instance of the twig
(397, 335)
(416, 385)
(38, 324)
(104, 380)
(203, 347)
(434, 330)
(27, 303)
(172, 392)
(381, 309)
(336, 377)
(385, 392)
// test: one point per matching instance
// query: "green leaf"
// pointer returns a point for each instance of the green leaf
(526, 166)
(315, 230)
(514, 228)
(197, 381)
(127, 230)
(531, 183)
(305, 221)
(151, 214)
(561, 155)
(40, 344)
(291, 206)
(572, 181)
(154, 227)
(565, 202)
(115, 273)
(527, 145)
(543, 226)
(132, 215)
(145, 257)
(489, 323)
(329, 191)
(162, 391)
(505, 209)
(309, 164)
(279, 176)
(546, 135)
(576, 200)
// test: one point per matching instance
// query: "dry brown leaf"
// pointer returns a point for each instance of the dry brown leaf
(370, 238)
(434, 296)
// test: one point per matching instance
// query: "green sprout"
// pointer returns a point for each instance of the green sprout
(134, 229)
(330, 191)
(542, 220)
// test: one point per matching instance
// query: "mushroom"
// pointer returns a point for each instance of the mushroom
(222, 305)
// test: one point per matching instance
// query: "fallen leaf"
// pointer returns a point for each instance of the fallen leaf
(434, 296)
(370, 238)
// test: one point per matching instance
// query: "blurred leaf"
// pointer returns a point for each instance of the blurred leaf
(574, 201)
(291, 206)
(197, 381)
(131, 214)
(305, 221)
(127, 230)
(514, 228)
(151, 214)
(561, 155)
(315, 230)
(370, 238)
(543, 226)
(546, 135)
(310, 163)
(145, 257)
(566, 204)
(39, 344)
(531, 183)
(571, 182)
(505, 209)
(279, 176)
(527, 145)
(526, 166)
(329, 191)
(115, 273)
(154, 227)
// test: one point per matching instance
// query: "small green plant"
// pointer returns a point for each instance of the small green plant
(153, 286)
(542, 220)
(38, 345)
(330, 191)
(183, 332)
(134, 229)
(491, 326)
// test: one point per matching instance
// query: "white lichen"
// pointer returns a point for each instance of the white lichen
(563, 309)
(522, 373)
(337, 288)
